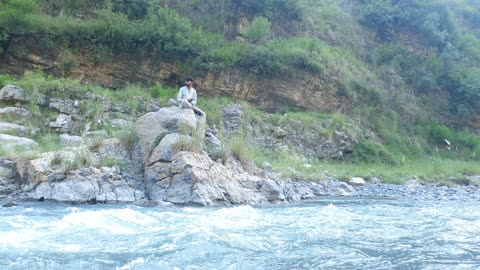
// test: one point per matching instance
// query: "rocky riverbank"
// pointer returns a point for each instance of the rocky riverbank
(168, 155)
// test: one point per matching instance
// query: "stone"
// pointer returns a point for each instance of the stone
(9, 142)
(12, 94)
(272, 190)
(68, 140)
(62, 124)
(88, 184)
(39, 99)
(153, 106)
(152, 127)
(212, 142)
(172, 102)
(167, 148)
(66, 106)
(157, 172)
(155, 125)
(329, 150)
(7, 177)
(75, 189)
(119, 123)
(267, 166)
(232, 118)
(13, 129)
(279, 133)
(356, 181)
(113, 148)
(196, 179)
(13, 112)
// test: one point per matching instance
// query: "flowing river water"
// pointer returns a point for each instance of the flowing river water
(329, 233)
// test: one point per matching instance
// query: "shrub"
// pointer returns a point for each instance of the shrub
(258, 29)
(439, 133)
(371, 152)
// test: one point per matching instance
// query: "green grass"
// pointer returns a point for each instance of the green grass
(426, 169)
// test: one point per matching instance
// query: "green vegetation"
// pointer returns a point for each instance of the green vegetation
(258, 29)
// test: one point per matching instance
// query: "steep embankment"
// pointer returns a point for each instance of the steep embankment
(123, 68)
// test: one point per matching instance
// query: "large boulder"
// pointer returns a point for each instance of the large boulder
(13, 129)
(68, 140)
(62, 124)
(153, 127)
(9, 142)
(13, 112)
(193, 178)
(7, 177)
(88, 185)
(167, 147)
(12, 94)
(66, 106)
(232, 118)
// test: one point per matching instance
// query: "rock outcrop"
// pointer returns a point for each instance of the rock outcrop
(192, 177)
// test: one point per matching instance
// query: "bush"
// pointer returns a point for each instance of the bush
(258, 29)
(439, 133)
(371, 152)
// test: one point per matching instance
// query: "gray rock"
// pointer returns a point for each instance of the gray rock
(157, 172)
(39, 99)
(212, 141)
(172, 102)
(272, 190)
(267, 166)
(13, 112)
(13, 129)
(119, 123)
(66, 106)
(232, 118)
(68, 140)
(119, 108)
(356, 181)
(153, 106)
(12, 94)
(9, 142)
(329, 150)
(75, 189)
(166, 149)
(7, 177)
(62, 124)
(152, 127)
(88, 184)
(278, 132)
(113, 148)
(9, 204)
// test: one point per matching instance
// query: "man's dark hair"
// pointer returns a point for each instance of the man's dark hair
(189, 79)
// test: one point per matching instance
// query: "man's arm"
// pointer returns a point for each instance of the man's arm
(180, 95)
(194, 99)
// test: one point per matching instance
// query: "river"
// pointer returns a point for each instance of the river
(328, 233)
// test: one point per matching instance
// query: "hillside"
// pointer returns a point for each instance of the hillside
(408, 70)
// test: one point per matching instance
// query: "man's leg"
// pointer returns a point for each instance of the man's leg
(197, 111)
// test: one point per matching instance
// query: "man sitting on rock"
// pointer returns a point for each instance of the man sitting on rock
(187, 97)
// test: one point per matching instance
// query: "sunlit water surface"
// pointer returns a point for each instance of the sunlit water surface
(332, 233)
